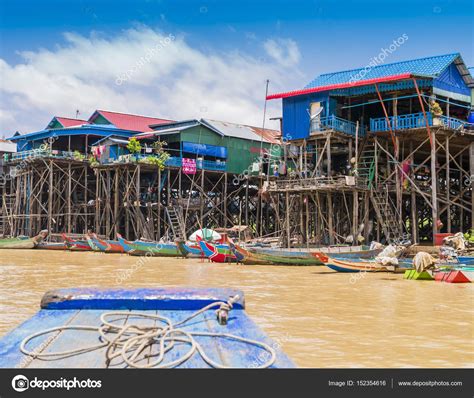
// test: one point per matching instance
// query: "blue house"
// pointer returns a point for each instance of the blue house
(338, 100)
(398, 138)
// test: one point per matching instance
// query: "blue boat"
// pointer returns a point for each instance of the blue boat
(466, 260)
(142, 328)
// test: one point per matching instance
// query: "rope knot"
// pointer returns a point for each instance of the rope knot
(223, 311)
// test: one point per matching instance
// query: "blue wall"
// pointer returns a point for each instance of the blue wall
(296, 116)
(450, 80)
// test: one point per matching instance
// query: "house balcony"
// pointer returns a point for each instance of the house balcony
(415, 121)
(173, 161)
(32, 154)
(319, 125)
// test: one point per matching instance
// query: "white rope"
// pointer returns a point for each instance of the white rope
(131, 339)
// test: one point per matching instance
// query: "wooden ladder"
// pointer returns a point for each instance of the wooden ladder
(6, 214)
(387, 215)
(176, 220)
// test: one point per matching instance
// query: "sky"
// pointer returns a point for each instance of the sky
(191, 59)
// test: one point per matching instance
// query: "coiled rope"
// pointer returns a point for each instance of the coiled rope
(130, 340)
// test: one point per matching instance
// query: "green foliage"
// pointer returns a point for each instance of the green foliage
(78, 156)
(134, 146)
(93, 161)
(158, 146)
(158, 161)
(435, 108)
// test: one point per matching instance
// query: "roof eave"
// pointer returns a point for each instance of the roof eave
(368, 82)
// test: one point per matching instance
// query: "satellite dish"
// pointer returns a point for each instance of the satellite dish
(318, 112)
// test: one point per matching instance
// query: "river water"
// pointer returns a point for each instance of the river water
(319, 317)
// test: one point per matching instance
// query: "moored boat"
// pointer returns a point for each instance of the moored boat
(217, 253)
(246, 257)
(102, 245)
(349, 252)
(154, 249)
(23, 242)
(343, 265)
(52, 246)
(76, 245)
(188, 250)
(85, 323)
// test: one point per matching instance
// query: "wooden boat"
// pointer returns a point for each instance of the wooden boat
(217, 253)
(106, 246)
(349, 252)
(63, 312)
(343, 265)
(246, 257)
(154, 249)
(76, 245)
(466, 260)
(23, 242)
(52, 246)
(188, 250)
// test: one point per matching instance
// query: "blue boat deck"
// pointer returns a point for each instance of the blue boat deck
(85, 307)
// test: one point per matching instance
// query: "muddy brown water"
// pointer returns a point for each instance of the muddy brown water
(319, 318)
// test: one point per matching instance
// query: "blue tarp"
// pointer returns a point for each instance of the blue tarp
(205, 149)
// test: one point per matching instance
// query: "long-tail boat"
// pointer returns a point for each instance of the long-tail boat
(76, 245)
(246, 257)
(155, 249)
(221, 253)
(23, 242)
(76, 320)
(349, 252)
(190, 250)
(52, 246)
(102, 245)
(343, 265)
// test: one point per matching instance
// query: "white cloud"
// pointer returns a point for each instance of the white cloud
(284, 51)
(175, 81)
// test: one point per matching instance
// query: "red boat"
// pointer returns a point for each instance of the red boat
(76, 245)
(217, 253)
(107, 246)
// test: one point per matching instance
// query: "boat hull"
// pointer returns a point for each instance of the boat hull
(217, 253)
(86, 306)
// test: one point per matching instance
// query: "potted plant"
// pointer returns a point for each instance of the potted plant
(436, 111)
(134, 147)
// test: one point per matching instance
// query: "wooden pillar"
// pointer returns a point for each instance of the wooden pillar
(434, 180)
(97, 201)
(330, 216)
(414, 217)
(158, 219)
(471, 167)
(68, 199)
(448, 185)
(287, 213)
(355, 216)
(116, 202)
(50, 196)
(328, 154)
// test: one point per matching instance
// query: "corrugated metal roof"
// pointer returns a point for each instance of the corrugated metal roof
(243, 131)
(423, 67)
(126, 121)
(68, 122)
(429, 66)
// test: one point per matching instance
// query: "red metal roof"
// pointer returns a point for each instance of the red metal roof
(130, 122)
(367, 82)
(69, 122)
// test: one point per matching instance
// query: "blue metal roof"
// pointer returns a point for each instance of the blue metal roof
(89, 129)
(428, 67)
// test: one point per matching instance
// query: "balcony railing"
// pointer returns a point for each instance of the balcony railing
(416, 121)
(40, 153)
(335, 123)
(318, 183)
(173, 161)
